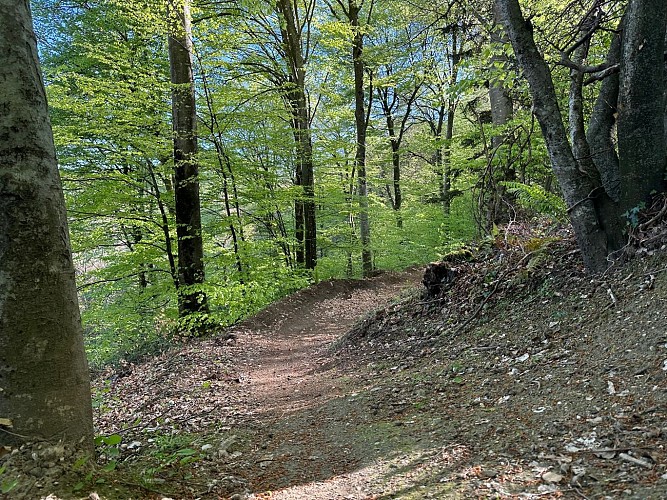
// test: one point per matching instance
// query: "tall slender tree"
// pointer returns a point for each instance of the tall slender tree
(440, 101)
(398, 83)
(191, 299)
(297, 49)
(351, 12)
(44, 380)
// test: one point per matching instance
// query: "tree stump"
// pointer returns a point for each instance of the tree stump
(437, 277)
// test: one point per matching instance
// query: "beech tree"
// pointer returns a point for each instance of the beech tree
(601, 180)
(350, 11)
(44, 379)
(398, 82)
(297, 48)
(191, 299)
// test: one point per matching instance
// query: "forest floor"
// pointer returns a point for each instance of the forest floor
(523, 378)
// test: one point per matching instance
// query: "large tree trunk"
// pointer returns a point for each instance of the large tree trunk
(606, 206)
(600, 133)
(579, 190)
(361, 122)
(498, 199)
(186, 177)
(306, 227)
(641, 103)
(44, 380)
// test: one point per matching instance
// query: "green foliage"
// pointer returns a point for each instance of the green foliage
(107, 78)
(109, 446)
(168, 450)
(632, 215)
(7, 484)
(536, 199)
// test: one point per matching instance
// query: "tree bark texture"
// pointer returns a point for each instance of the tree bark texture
(600, 133)
(502, 111)
(186, 170)
(502, 108)
(606, 206)
(44, 379)
(306, 227)
(361, 123)
(641, 103)
(577, 187)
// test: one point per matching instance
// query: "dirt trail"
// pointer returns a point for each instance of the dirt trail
(555, 388)
(298, 404)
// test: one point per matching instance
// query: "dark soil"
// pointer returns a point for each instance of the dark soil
(523, 378)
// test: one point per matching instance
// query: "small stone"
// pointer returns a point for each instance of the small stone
(552, 477)
(37, 472)
(489, 473)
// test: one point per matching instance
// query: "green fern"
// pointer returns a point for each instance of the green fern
(537, 199)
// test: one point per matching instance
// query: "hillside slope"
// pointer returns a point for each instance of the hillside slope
(523, 378)
(527, 377)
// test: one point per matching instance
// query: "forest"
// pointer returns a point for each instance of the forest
(222, 214)
(307, 168)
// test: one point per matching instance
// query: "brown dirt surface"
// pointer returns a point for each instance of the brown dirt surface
(523, 378)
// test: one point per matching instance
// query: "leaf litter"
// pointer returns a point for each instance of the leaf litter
(523, 378)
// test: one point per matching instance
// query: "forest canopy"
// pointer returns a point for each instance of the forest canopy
(217, 155)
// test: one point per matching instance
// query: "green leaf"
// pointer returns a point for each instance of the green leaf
(186, 452)
(113, 440)
(8, 485)
(80, 462)
(110, 467)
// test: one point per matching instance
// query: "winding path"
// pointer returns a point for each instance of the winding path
(302, 405)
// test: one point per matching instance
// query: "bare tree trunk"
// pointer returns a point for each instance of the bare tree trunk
(164, 226)
(502, 108)
(600, 133)
(306, 227)
(446, 158)
(361, 121)
(395, 143)
(396, 130)
(641, 103)
(578, 188)
(502, 111)
(186, 185)
(225, 165)
(396, 181)
(448, 108)
(44, 379)
(606, 207)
